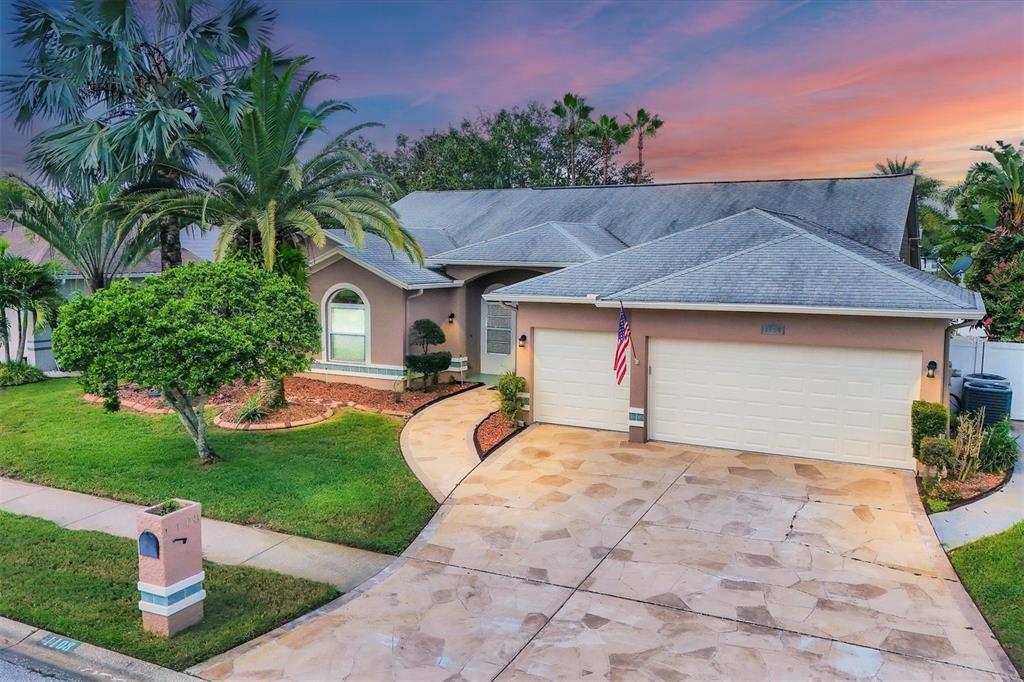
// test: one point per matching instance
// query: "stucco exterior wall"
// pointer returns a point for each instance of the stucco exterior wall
(837, 331)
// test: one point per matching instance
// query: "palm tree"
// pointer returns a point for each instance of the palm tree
(644, 124)
(926, 187)
(610, 134)
(32, 291)
(108, 73)
(992, 194)
(575, 114)
(267, 199)
(78, 227)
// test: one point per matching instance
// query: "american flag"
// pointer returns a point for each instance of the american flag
(621, 350)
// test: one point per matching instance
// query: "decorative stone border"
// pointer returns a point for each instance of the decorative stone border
(476, 441)
(271, 426)
(130, 404)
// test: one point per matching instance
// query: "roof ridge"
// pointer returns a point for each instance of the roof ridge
(631, 248)
(785, 216)
(492, 239)
(867, 261)
(583, 247)
(705, 264)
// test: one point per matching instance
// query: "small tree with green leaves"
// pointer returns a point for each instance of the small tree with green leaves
(510, 385)
(426, 333)
(189, 332)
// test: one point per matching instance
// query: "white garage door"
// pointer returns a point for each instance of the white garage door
(828, 403)
(573, 382)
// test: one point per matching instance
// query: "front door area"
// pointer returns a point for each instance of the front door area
(497, 329)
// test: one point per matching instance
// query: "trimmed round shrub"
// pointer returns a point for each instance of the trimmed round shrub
(927, 419)
(937, 452)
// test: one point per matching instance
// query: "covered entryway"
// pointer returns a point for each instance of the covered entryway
(842, 404)
(573, 381)
(497, 327)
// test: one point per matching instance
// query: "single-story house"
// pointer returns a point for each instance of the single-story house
(782, 316)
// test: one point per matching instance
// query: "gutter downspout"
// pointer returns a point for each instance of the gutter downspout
(405, 333)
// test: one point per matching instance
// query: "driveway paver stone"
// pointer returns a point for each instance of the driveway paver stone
(572, 553)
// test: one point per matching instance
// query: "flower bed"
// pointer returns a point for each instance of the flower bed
(337, 393)
(287, 416)
(492, 432)
(950, 493)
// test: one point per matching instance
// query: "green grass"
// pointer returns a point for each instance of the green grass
(343, 480)
(992, 570)
(936, 505)
(81, 584)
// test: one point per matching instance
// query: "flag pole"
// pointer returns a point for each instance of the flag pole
(632, 348)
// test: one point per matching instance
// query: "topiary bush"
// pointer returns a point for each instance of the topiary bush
(999, 448)
(938, 452)
(18, 373)
(509, 386)
(428, 365)
(927, 419)
(426, 333)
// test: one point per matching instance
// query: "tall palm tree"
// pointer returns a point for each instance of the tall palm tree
(267, 198)
(575, 114)
(107, 72)
(644, 124)
(610, 134)
(926, 187)
(32, 291)
(78, 227)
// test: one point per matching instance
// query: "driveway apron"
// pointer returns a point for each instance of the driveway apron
(572, 553)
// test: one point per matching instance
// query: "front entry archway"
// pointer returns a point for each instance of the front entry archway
(497, 332)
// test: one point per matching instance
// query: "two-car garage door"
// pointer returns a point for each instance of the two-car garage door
(841, 404)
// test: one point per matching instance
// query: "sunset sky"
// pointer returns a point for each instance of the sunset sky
(747, 89)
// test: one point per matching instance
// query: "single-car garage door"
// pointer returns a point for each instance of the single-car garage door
(842, 404)
(573, 382)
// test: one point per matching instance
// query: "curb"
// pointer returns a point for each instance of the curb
(271, 426)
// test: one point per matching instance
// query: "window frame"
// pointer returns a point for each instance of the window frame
(325, 314)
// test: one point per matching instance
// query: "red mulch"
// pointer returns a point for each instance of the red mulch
(492, 431)
(292, 412)
(133, 394)
(327, 393)
(981, 482)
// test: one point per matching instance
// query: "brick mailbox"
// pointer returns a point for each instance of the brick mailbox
(171, 566)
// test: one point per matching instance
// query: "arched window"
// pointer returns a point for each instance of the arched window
(348, 324)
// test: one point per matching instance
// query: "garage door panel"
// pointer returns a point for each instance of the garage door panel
(574, 383)
(844, 404)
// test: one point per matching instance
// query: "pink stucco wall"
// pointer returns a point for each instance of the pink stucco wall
(839, 331)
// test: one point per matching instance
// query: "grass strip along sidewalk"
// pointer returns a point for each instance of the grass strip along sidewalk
(343, 480)
(992, 570)
(82, 584)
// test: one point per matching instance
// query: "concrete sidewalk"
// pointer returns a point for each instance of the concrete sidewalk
(987, 516)
(223, 543)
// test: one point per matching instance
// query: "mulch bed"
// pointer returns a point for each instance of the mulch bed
(959, 493)
(336, 393)
(492, 432)
(292, 412)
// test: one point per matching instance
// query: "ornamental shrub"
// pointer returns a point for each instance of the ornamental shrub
(426, 333)
(999, 449)
(998, 274)
(938, 452)
(927, 419)
(429, 365)
(509, 386)
(18, 373)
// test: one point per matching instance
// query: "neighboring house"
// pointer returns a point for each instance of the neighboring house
(38, 351)
(772, 316)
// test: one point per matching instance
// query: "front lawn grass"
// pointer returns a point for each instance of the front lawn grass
(82, 584)
(992, 570)
(343, 480)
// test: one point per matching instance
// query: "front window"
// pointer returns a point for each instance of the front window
(347, 321)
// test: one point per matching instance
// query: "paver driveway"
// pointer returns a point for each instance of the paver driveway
(571, 553)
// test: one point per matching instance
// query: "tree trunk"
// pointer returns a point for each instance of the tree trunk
(191, 412)
(170, 242)
(572, 158)
(98, 281)
(23, 329)
(640, 157)
(5, 334)
(271, 393)
(607, 159)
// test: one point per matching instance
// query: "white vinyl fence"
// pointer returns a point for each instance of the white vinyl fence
(971, 355)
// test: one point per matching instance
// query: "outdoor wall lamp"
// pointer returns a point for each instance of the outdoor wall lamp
(932, 366)
(522, 341)
(451, 318)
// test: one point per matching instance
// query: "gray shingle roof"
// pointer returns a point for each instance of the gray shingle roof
(871, 210)
(754, 258)
(379, 256)
(550, 243)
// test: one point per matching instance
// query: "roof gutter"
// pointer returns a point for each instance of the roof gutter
(799, 309)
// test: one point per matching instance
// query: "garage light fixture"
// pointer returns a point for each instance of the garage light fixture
(522, 341)
(451, 318)
(932, 366)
